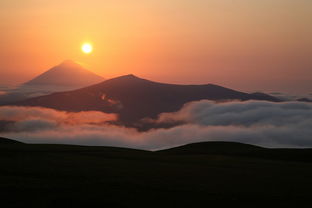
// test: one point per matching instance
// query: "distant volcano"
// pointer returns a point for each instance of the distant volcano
(68, 73)
(66, 76)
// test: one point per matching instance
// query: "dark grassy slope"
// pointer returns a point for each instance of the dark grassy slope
(73, 176)
(204, 148)
(241, 150)
(134, 98)
(8, 141)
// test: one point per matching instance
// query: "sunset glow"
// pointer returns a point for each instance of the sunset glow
(87, 48)
(161, 103)
(232, 44)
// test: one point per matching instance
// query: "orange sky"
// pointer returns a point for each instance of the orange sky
(244, 44)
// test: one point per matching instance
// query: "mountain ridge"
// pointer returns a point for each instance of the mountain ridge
(134, 98)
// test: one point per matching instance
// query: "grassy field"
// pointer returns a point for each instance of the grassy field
(196, 175)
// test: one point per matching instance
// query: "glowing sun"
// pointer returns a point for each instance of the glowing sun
(87, 48)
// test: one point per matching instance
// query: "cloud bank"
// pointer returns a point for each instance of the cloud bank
(31, 114)
(247, 114)
(287, 124)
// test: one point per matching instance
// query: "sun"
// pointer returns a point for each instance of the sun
(87, 48)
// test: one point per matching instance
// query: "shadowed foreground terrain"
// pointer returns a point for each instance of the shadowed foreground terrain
(195, 175)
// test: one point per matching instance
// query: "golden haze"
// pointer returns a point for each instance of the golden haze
(238, 44)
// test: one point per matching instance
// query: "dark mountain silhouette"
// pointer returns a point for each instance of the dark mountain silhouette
(220, 174)
(240, 150)
(134, 98)
(263, 96)
(66, 76)
(8, 141)
(213, 148)
(304, 100)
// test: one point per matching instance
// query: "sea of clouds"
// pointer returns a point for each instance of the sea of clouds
(268, 124)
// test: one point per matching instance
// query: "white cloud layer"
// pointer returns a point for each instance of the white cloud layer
(287, 124)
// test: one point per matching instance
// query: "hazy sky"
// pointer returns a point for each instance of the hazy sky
(243, 44)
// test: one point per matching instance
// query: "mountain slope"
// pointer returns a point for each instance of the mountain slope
(83, 176)
(66, 76)
(134, 98)
(205, 148)
(8, 141)
(68, 73)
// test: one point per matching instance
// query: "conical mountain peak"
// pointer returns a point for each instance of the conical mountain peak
(67, 73)
(69, 63)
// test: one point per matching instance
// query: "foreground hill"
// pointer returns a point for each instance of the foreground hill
(8, 141)
(134, 98)
(241, 150)
(189, 176)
